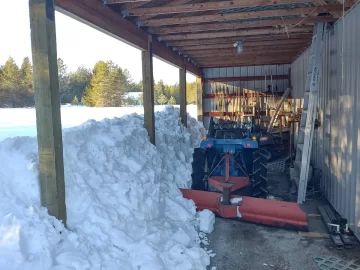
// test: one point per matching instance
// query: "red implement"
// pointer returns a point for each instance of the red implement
(268, 212)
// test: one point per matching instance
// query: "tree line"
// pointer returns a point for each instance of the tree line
(106, 85)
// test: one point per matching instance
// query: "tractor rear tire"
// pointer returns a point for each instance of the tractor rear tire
(198, 169)
(259, 179)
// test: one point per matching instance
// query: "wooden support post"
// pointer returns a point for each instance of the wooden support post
(47, 103)
(148, 91)
(182, 87)
(199, 99)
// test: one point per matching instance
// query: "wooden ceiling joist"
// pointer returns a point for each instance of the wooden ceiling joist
(286, 42)
(233, 53)
(247, 49)
(234, 39)
(240, 33)
(253, 62)
(206, 6)
(191, 28)
(101, 17)
(251, 57)
(110, 2)
(242, 15)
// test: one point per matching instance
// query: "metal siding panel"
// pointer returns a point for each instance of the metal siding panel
(222, 72)
(338, 156)
(237, 72)
(215, 73)
(230, 72)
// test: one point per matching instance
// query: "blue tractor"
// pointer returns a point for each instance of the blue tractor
(229, 160)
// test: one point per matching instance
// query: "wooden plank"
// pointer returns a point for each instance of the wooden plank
(101, 17)
(171, 3)
(239, 33)
(232, 50)
(313, 234)
(248, 44)
(199, 98)
(232, 40)
(192, 28)
(182, 89)
(242, 15)
(234, 54)
(47, 104)
(111, 2)
(206, 6)
(148, 92)
(243, 64)
(245, 79)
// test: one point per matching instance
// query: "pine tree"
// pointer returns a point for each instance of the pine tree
(26, 76)
(63, 82)
(172, 101)
(79, 81)
(9, 75)
(75, 101)
(191, 94)
(162, 99)
(94, 94)
(115, 86)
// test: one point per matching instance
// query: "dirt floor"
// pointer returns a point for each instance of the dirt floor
(239, 245)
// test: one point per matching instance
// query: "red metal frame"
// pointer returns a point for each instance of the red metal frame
(255, 210)
(268, 212)
(228, 182)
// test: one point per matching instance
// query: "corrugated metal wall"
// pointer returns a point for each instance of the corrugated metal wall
(336, 148)
(228, 72)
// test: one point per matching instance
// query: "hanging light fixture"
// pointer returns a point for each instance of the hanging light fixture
(239, 46)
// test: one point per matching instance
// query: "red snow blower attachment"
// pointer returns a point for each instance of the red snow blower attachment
(229, 178)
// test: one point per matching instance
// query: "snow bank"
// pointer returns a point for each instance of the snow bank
(125, 210)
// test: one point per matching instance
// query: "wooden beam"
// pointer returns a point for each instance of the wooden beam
(199, 98)
(182, 89)
(243, 64)
(241, 15)
(235, 55)
(239, 33)
(171, 3)
(206, 6)
(232, 40)
(111, 2)
(248, 49)
(101, 17)
(245, 58)
(248, 44)
(148, 91)
(246, 79)
(47, 104)
(191, 28)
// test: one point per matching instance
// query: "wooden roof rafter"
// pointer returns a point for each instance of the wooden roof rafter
(199, 28)
(239, 25)
(97, 15)
(240, 15)
(207, 6)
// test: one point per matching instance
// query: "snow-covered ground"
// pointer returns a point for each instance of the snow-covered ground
(125, 209)
(22, 121)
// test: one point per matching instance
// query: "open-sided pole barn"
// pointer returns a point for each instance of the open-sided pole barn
(196, 36)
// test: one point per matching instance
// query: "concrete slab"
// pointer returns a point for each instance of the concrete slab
(239, 246)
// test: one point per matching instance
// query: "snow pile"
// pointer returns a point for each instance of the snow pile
(124, 208)
(206, 220)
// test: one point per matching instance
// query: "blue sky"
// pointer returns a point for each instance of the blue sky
(77, 44)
